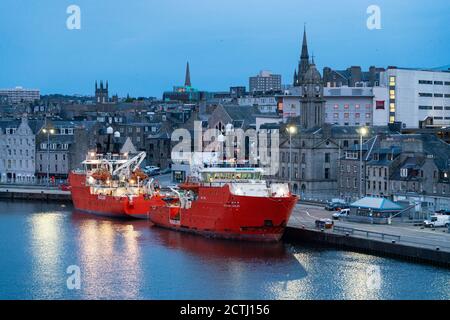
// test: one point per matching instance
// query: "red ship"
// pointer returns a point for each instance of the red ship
(232, 203)
(113, 186)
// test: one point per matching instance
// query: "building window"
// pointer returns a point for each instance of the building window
(327, 158)
(403, 172)
(392, 81)
(392, 94)
(327, 173)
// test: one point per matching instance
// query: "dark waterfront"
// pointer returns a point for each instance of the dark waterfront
(131, 260)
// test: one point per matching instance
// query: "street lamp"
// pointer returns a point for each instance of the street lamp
(292, 129)
(363, 131)
(48, 132)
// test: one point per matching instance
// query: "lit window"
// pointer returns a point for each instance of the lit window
(357, 106)
(391, 94)
(392, 81)
(346, 106)
(391, 119)
(392, 107)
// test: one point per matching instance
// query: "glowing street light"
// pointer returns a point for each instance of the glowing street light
(48, 132)
(363, 131)
(291, 129)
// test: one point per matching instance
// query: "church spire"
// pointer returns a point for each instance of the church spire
(304, 62)
(187, 82)
(295, 77)
(304, 54)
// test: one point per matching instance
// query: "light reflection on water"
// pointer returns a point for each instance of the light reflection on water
(131, 260)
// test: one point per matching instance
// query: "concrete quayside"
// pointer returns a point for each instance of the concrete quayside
(400, 240)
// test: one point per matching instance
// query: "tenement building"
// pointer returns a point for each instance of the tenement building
(413, 168)
(17, 151)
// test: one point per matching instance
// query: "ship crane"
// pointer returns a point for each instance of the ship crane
(130, 166)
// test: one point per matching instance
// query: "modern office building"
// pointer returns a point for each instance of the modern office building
(355, 106)
(418, 97)
(265, 81)
(19, 94)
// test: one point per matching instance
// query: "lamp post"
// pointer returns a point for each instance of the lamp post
(48, 132)
(291, 130)
(362, 132)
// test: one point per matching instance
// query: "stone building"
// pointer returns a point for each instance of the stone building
(350, 185)
(61, 146)
(421, 173)
(17, 151)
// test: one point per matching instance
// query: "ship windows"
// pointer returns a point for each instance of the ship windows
(236, 176)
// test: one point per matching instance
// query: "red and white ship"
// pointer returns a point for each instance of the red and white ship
(113, 185)
(229, 202)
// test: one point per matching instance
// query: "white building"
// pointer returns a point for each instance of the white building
(17, 152)
(265, 104)
(418, 96)
(20, 94)
(351, 106)
(265, 81)
(356, 106)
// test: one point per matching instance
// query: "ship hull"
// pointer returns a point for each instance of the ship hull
(108, 206)
(220, 214)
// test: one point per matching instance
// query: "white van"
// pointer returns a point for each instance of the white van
(437, 221)
(342, 213)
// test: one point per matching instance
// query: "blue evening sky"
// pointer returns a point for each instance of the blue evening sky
(141, 46)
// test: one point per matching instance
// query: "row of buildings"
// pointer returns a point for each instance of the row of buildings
(399, 155)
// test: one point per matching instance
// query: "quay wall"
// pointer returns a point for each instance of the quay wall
(14, 193)
(363, 245)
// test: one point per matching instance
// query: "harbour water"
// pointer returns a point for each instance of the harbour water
(132, 260)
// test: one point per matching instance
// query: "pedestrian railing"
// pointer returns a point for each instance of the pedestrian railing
(367, 233)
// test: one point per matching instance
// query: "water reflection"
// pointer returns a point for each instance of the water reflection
(131, 260)
(108, 247)
(46, 239)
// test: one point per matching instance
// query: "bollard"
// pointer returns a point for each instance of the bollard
(347, 234)
(323, 230)
(393, 241)
(437, 249)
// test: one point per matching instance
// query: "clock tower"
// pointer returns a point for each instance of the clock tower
(312, 104)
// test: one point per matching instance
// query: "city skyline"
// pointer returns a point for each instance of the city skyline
(146, 54)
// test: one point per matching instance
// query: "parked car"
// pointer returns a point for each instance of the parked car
(336, 206)
(437, 221)
(341, 213)
(324, 223)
